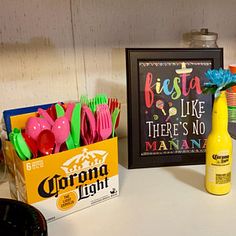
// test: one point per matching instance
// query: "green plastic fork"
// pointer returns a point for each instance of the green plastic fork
(84, 99)
(97, 100)
(101, 99)
(92, 105)
(114, 117)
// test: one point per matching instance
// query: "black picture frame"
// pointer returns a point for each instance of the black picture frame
(155, 91)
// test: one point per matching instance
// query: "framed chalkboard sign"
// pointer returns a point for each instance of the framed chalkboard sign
(169, 118)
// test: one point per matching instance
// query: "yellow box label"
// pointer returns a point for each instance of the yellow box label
(53, 175)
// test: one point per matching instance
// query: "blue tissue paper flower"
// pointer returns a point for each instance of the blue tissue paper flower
(219, 80)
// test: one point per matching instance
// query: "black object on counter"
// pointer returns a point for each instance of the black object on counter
(18, 219)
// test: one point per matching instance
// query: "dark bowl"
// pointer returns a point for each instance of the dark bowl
(18, 219)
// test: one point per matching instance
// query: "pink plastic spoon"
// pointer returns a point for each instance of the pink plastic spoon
(61, 130)
(35, 125)
(69, 110)
(46, 116)
(46, 142)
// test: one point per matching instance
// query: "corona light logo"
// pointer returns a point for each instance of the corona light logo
(87, 166)
(83, 161)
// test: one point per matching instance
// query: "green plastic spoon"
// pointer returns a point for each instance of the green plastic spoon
(12, 137)
(59, 110)
(20, 145)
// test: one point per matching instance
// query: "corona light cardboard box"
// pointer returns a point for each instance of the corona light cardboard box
(62, 183)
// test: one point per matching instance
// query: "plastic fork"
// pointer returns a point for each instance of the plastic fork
(101, 99)
(114, 117)
(60, 112)
(88, 125)
(92, 105)
(113, 103)
(97, 100)
(84, 99)
(104, 123)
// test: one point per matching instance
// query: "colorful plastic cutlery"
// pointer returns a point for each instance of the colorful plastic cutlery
(60, 113)
(75, 124)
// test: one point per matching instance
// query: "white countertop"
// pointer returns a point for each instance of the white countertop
(155, 201)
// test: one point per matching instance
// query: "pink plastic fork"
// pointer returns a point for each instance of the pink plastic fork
(104, 123)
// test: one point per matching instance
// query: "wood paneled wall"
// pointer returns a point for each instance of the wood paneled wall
(55, 50)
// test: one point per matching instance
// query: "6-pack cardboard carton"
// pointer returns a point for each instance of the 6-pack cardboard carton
(65, 182)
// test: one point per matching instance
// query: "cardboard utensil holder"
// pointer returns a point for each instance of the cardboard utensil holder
(62, 183)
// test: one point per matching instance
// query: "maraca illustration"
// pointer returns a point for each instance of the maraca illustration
(172, 112)
(160, 105)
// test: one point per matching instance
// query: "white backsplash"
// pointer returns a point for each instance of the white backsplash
(56, 50)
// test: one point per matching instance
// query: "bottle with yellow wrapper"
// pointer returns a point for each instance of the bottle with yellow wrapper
(219, 150)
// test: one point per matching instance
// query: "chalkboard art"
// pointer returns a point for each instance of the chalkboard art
(173, 115)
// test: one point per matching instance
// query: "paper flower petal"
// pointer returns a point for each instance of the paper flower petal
(219, 80)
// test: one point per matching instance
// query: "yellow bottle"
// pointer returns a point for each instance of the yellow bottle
(219, 150)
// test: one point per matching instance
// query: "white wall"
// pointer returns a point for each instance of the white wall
(55, 50)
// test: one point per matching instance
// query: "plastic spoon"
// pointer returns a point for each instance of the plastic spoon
(61, 113)
(22, 146)
(52, 112)
(69, 110)
(35, 125)
(46, 142)
(59, 110)
(31, 144)
(61, 130)
(12, 137)
(44, 113)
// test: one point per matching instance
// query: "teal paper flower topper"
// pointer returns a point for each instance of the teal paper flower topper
(219, 80)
